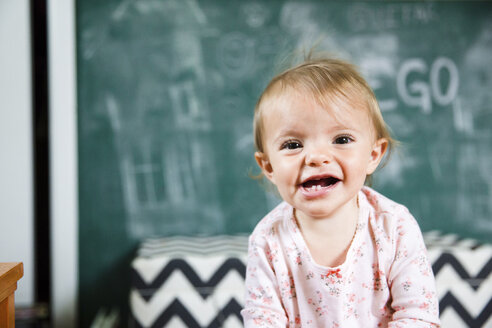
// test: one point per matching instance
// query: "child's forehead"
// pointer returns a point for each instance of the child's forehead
(337, 105)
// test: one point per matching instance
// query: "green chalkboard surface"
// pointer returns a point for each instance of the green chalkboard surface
(166, 90)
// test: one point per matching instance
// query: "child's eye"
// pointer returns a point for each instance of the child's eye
(343, 140)
(291, 144)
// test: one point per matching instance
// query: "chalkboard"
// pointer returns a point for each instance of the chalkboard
(166, 91)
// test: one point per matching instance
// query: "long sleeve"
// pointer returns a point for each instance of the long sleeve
(411, 279)
(263, 305)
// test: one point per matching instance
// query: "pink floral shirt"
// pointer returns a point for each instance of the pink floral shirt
(385, 281)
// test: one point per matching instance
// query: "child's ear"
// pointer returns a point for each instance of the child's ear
(377, 153)
(264, 164)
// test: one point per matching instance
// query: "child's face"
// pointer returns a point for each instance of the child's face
(317, 161)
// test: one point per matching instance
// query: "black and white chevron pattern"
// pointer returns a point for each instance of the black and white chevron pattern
(464, 281)
(199, 281)
(195, 282)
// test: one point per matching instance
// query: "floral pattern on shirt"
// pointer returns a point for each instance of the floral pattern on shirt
(385, 281)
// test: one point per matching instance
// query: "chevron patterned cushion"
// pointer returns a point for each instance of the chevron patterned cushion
(462, 268)
(199, 281)
(189, 282)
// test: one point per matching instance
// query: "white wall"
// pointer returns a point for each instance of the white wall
(16, 171)
(63, 161)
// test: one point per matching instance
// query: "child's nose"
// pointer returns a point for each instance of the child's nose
(318, 157)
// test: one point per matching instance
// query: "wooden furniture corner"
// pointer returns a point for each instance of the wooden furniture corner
(10, 273)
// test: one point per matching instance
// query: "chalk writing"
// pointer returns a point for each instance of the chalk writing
(364, 17)
(235, 54)
(255, 14)
(420, 93)
(186, 108)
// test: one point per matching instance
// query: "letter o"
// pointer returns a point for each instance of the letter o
(444, 98)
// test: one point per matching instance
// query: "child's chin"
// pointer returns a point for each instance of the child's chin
(316, 213)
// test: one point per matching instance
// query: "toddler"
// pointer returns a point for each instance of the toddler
(334, 253)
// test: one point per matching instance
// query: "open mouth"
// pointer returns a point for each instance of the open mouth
(319, 184)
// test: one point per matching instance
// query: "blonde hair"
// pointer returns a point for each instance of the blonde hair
(328, 81)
